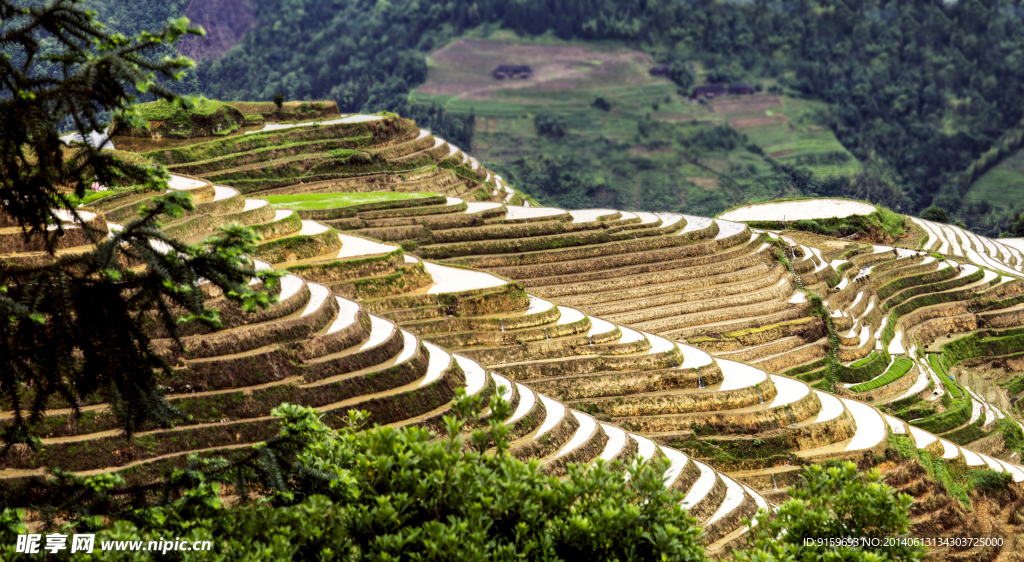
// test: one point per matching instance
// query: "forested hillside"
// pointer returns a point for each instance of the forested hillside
(918, 90)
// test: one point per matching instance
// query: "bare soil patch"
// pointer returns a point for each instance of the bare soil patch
(719, 165)
(225, 21)
(486, 125)
(745, 105)
(464, 67)
(748, 122)
(781, 153)
(643, 151)
(704, 182)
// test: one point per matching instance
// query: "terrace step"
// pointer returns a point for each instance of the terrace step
(787, 359)
(587, 442)
(555, 430)
(315, 316)
(732, 325)
(736, 505)
(870, 435)
(679, 275)
(764, 350)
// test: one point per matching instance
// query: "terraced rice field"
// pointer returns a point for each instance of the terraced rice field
(614, 335)
(799, 210)
(309, 201)
(785, 129)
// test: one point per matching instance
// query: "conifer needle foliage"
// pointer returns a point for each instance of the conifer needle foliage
(75, 326)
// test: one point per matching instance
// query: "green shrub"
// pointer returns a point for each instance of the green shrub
(957, 414)
(1015, 386)
(394, 494)
(882, 219)
(935, 214)
(1013, 436)
(830, 502)
(988, 481)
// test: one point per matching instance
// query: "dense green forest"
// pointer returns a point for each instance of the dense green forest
(920, 90)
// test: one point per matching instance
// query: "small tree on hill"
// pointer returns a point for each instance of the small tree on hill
(602, 104)
(551, 125)
(936, 214)
(72, 326)
(279, 100)
(1017, 226)
(680, 73)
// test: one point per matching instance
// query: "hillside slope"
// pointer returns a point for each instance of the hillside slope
(612, 333)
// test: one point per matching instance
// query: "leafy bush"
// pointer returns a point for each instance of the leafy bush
(399, 493)
(957, 413)
(987, 480)
(1013, 435)
(551, 125)
(680, 73)
(833, 502)
(936, 214)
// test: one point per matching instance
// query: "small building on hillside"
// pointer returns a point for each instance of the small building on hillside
(740, 89)
(660, 70)
(512, 71)
(710, 91)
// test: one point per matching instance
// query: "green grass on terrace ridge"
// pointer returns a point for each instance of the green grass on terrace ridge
(940, 370)
(312, 201)
(162, 110)
(899, 368)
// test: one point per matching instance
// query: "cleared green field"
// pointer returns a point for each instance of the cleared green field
(628, 140)
(631, 150)
(311, 201)
(1002, 186)
(837, 169)
(794, 137)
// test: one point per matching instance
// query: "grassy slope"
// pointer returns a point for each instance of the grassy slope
(799, 135)
(1003, 185)
(310, 201)
(631, 171)
(163, 110)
